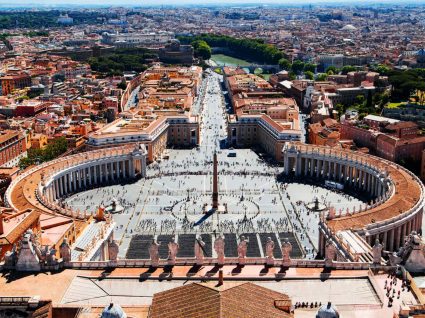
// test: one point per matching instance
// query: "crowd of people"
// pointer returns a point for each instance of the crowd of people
(390, 287)
(176, 192)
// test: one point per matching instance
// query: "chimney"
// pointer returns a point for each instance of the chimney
(1, 223)
(220, 277)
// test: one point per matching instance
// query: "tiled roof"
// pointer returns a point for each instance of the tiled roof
(196, 300)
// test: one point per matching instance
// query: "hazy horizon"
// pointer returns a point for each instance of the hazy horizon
(132, 3)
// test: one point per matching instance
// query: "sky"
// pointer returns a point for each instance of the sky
(42, 3)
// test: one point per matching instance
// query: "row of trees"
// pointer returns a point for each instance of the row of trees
(371, 104)
(48, 18)
(250, 49)
(122, 60)
(36, 156)
(406, 83)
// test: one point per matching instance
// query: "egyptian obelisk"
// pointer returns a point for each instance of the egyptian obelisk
(215, 183)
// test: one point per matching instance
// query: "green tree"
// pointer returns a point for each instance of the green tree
(331, 70)
(347, 69)
(52, 151)
(309, 67)
(359, 100)
(322, 77)
(292, 76)
(122, 84)
(251, 49)
(382, 69)
(340, 108)
(201, 49)
(369, 100)
(285, 64)
(297, 66)
(309, 75)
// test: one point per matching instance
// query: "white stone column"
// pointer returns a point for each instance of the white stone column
(318, 168)
(409, 227)
(69, 182)
(60, 187)
(83, 175)
(90, 175)
(391, 241)
(101, 173)
(286, 164)
(334, 177)
(384, 240)
(56, 189)
(131, 166)
(74, 179)
(369, 182)
(144, 166)
(340, 172)
(112, 171)
(329, 172)
(124, 172)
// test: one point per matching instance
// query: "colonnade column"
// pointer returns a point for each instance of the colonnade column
(391, 241)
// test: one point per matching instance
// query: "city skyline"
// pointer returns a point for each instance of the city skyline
(152, 3)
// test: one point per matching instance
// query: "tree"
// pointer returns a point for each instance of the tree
(322, 77)
(297, 66)
(251, 49)
(202, 49)
(347, 69)
(285, 64)
(332, 70)
(369, 103)
(122, 84)
(382, 69)
(309, 67)
(359, 99)
(52, 150)
(292, 75)
(340, 108)
(309, 75)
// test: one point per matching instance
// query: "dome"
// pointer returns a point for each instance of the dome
(421, 52)
(349, 27)
(327, 311)
(113, 311)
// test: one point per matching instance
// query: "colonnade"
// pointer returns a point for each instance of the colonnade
(344, 170)
(95, 172)
(389, 223)
(393, 237)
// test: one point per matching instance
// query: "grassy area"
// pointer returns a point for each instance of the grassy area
(396, 105)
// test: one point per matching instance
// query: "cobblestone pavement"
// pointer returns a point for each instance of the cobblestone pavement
(172, 197)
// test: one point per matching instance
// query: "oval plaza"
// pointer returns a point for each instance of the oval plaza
(194, 194)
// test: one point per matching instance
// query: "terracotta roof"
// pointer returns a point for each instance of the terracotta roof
(402, 124)
(243, 301)
(19, 227)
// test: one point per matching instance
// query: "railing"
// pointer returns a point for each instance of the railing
(213, 261)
